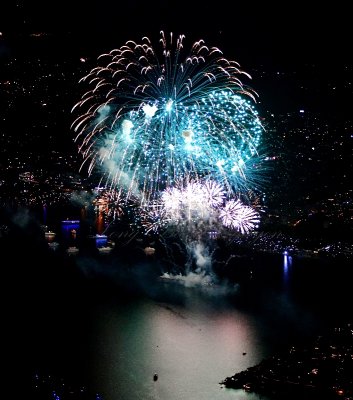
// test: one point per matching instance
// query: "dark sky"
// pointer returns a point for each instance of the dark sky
(293, 32)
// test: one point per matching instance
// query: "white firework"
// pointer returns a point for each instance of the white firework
(238, 216)
(214, 193)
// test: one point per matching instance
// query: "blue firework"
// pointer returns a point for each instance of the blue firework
(151, 117)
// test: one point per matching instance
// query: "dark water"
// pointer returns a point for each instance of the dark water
(96, 322)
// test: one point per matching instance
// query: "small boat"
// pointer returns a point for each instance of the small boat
(155, 377)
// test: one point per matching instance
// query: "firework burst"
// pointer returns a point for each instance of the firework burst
(237, 216)
(153, 115)
(196, 208)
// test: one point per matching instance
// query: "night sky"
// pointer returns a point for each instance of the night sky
(292, 33)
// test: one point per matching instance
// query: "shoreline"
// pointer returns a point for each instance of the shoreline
(322, 369)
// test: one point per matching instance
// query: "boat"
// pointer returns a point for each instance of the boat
(105, 249)
(49, 236)
(72, 250)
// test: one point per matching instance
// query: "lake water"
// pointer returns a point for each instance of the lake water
(112, 328)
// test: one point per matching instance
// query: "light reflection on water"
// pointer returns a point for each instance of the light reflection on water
(116, 336)
(287, 264)
(192, 346)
